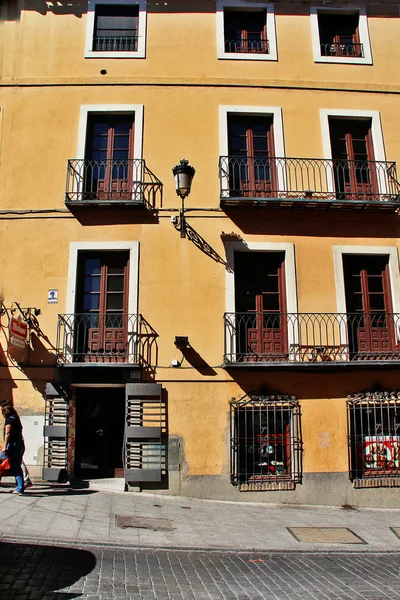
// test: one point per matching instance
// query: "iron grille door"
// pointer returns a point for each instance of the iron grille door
(55, 433)
(145, 428)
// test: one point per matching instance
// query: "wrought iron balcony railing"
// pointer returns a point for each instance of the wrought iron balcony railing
(111, 181)
(293, 338)
(247, 46)
(124, 43)
(314, 181)
(103, 338)
(350, 50)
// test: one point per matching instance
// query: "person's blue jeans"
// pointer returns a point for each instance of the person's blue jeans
(15, 453)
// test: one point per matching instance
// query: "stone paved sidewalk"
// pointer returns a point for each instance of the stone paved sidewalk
(86, 516)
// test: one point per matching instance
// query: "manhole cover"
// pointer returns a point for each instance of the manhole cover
(327, 535)
(396, 531)
(143, 523)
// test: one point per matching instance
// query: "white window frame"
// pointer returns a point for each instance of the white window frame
(362, 29)
(124, 109)
(87, 109)
(266, 111)
(394, 275)
(290, 279)
(377, 138)
(251, 6)
(72, 279)
(90, 21)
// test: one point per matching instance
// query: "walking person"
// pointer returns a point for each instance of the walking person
(13, 444)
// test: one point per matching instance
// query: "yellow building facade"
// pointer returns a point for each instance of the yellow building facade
(241, 343)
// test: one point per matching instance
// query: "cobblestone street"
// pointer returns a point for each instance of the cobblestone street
(29, 572)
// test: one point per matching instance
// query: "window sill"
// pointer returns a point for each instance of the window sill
(136, 54)
(343, 60)
(247, 56)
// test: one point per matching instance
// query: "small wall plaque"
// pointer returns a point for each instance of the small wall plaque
(52, 297)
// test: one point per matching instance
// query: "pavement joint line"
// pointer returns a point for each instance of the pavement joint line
(61, 542)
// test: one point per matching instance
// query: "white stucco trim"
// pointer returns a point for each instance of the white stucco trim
(90, 19)
(362, 29)
(290, 269)
(133, 290)
(279, 144)
(275, 111)
(86, 109)
(377, 138)
(290, 279)
(376, 128)
(252, 6)
(390, 251)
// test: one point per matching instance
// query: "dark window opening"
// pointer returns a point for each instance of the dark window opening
(265, 440)
(371, 323)
(252, 166)
(339, 35)
(109, 166)
(374, 436)
(116, 28)
(353, 159)
(245, 32)
(260, 305)
(101, 319)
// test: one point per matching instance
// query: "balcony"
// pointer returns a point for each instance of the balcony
(308, 182)
(311, 339)
(251, 45)
(112, 339)
(111, 182)
(351, 49)
(120, 43)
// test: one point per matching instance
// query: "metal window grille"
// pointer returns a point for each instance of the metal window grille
(374, 435)
(265, 440)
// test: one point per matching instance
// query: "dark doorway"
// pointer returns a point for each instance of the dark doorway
(100, 419)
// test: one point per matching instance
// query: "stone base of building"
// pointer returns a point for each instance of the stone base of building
(323, 489)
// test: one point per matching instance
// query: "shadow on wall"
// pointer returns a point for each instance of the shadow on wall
(45, 568)
(314, 385)
(79, 7)
(314, 224)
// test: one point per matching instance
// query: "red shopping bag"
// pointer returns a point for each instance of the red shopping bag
(4, 465)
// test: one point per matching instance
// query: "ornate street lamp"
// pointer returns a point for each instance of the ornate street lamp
(183, 174)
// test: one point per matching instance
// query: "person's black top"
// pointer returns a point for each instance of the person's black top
(16, 428)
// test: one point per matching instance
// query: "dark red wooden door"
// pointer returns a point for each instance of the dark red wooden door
(369, 302)
(109, 149)
(353, 159)
(261, 304)
(252, 155)
(102, 306)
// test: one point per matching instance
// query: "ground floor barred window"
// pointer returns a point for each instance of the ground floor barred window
(374, 435)
(266, 442)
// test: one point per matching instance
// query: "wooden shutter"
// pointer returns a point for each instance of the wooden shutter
(55, 433)
(145, 429)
